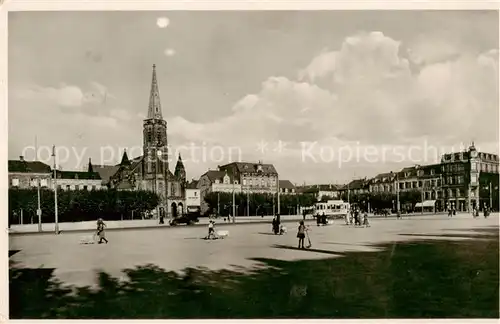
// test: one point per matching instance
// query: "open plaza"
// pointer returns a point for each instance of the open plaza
(182, 247)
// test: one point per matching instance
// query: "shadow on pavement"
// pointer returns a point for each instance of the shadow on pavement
(431, 279)
(279, 246)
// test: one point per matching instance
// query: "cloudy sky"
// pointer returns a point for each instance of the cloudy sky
(311, 92)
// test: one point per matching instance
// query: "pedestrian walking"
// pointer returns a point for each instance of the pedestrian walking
(211, 230)
(275, 225)
(365, 220)
(101, 231)
(301, 234)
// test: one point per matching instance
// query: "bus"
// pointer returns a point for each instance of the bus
(332, 209)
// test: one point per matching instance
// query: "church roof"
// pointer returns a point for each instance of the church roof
(154, 109)
(106, 171)
(248, 167)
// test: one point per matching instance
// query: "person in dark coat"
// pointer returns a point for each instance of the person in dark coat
(276, 225)
(301, 234)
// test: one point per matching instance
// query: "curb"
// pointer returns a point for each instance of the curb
(158, 226)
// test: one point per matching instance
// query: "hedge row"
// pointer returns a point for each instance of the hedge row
(79, 205)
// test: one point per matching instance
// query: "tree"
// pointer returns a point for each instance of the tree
(82, 205)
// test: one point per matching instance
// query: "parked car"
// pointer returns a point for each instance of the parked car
(187, 219)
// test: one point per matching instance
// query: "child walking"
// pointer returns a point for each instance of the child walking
(100, 231)
(366, 223)
(301, 234)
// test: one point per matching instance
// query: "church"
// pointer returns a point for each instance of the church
(151, 170)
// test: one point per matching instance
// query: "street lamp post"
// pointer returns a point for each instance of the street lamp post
(248, 203)
(491, 198)
(397, 195)
(234, 206)
(278, 196)
(39, 209)
(56, 216)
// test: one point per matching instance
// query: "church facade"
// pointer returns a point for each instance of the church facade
(151, 170)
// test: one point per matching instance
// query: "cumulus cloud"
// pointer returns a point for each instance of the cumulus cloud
(365, 92)
(65, 95)
(162, 22)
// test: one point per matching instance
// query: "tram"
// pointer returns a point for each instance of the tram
(332, 209)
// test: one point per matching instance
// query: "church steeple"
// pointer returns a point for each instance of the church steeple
(154, 109)
(125, 161)
(180, 172)
(90, 168)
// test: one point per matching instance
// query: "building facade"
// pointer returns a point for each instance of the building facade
(151, 170)
(253, 177)
(464, 176)
(24, 174)
(79, 180)
(193, 200)
(216, 181)
(322, 191)
(383, 182)
(287, 188)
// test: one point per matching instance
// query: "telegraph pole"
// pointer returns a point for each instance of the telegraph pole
(218, 203)
(491, 198)
(397, 193)
(39, 210)
(248, 203)
(55, 191)
(234, 206)
(279, 213)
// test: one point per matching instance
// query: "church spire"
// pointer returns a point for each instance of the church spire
(125, 161)
(154, 109)
(90, 169)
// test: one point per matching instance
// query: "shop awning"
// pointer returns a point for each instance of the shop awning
(427, 203)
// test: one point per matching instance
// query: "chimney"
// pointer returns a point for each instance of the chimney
(21, 158)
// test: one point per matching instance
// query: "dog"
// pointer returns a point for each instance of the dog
(88, 239)
(283, 230)
(222, 234)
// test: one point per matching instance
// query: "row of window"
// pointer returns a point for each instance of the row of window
(76, 187)
(484, 167)
(457, 193)
(44, 183)
(457, 167)
(454, 180)
(32, 182)
(432, 183)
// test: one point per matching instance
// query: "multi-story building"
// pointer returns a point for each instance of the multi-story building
(464, 174)
(26, 174)
(253, 177)
(193, 201)
(79, 180)
(430, 181)
(287, 188)
(383, 182)
(216, 181)
(355, 187)
(323, 191)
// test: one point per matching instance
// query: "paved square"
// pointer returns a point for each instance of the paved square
(181, 247)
